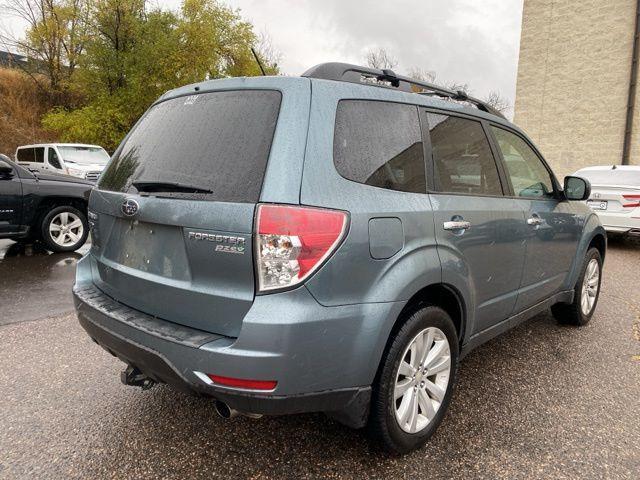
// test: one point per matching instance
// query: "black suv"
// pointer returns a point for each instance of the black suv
(51, 208)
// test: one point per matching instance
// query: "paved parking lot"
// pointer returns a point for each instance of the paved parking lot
(542, 401)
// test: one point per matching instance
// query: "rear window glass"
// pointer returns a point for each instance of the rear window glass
(380, 144)
(213, 146)
(462, 157)
(616, 176)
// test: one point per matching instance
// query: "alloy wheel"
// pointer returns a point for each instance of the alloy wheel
(66, 229)
(422, 380)
(590, 285)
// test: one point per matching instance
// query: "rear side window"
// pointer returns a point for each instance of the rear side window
(462, 158)
(39, 154)
(213, 146)
(379, 144)
(32, 155)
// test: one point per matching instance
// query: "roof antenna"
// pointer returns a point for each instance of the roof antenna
(259, 62)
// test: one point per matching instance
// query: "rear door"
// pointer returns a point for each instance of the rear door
(554, 226)
(173, 212)
(479, 230)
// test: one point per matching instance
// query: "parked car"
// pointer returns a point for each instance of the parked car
(40, 206)
(615, 197)
(332, 243)
(77, 160)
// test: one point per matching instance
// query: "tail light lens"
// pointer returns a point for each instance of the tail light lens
(633, 199)
(292, 242)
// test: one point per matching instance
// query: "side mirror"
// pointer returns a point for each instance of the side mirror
(576, 188)
(6, 170)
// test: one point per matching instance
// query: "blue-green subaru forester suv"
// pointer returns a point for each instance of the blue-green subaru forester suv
(334, 243)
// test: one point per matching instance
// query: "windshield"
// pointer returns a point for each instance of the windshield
(84, 155)
(213, 146)
(616, 176)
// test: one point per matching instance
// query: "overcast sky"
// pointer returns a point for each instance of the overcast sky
(464, 41)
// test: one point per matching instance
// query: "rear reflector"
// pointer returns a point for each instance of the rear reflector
(242, 383)
(292, 242)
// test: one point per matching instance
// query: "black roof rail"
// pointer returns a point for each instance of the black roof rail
(345, 72)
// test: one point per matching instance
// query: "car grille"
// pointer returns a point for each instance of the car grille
(93, 176)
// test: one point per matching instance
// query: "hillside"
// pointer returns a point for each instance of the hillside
(22, 106)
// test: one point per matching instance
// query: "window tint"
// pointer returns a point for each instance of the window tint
(24, 155)
(528, 175)
(213, 146)
(39, 154)
(462, 157)
(380, 144)
(53, 158)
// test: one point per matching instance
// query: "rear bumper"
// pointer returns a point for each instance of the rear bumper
(620, 222)
(323, 360)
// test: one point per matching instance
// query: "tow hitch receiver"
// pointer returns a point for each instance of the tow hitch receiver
(134, 377)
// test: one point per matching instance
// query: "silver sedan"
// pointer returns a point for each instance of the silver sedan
(615, 197)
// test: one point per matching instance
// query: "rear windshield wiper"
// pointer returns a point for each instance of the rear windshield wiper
(152, 187)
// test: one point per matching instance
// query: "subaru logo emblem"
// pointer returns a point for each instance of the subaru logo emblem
(129, 207)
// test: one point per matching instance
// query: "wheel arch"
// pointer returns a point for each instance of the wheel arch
(599, 241)
(441, 295)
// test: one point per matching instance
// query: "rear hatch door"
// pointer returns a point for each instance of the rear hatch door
(172, 217)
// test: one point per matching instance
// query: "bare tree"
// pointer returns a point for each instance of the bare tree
(422, 75)
(269, 54)
(498, 102)
(381, 59)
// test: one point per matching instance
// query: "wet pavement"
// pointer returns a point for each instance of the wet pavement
(35, 283)
(542, 401)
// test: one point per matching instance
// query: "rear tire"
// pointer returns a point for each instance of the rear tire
(64, 229)
(423, 388)
(586, 293)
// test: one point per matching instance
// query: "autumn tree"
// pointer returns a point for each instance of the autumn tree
(134, 54)
(54, 41)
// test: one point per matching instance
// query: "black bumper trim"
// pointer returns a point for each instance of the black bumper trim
(164, 329)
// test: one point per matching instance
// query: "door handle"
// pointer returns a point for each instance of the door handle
(534, 220)
(456, 225)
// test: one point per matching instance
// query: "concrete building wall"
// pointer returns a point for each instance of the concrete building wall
(573, 80)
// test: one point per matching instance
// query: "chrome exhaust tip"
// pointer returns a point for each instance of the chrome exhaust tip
(225, 411)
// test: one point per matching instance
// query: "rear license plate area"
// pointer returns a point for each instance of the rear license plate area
(598, 204)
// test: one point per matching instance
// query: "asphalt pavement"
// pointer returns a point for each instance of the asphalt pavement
(542, 401)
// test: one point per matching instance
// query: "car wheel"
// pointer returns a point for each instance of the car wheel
(415, 382)
(64, 229)
(586, 293)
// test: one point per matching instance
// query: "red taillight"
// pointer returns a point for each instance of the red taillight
(242, 383)
(633, 199)
(294, 241)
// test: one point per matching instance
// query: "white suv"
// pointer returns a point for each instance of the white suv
(78, 160)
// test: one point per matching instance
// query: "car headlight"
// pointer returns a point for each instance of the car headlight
(76, 172)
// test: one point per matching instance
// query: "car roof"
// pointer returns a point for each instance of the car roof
(284, 82)
(59, 145)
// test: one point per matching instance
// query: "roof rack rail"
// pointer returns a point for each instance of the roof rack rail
(346, 72)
